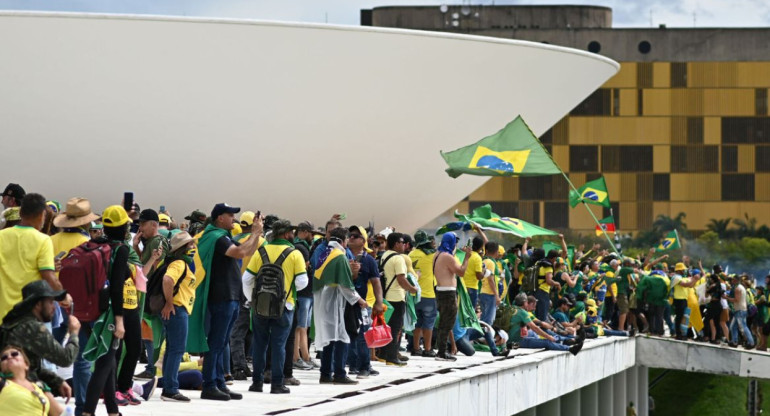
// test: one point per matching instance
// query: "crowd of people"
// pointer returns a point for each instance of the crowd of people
(85, 297)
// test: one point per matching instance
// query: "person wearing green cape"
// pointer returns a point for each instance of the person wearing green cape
(333, 288)
(218, 296)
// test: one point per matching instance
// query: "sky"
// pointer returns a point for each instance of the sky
(626, 13)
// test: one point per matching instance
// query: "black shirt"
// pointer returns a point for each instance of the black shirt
(225, 285)
(303, 248)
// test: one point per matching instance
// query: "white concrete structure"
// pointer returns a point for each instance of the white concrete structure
(295, 119)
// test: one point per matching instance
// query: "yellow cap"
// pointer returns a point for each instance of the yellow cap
(680, 267)
(591, 303)
(501, 250)
(114, 216)
(247, 218)
(236, 229)
(164, 219)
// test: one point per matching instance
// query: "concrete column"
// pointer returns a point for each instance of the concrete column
(570, 403)
(619, 388)
(589, 400)
(532, 411)
(632, 388)
(550, 408)
(606, 397)
(643, 382)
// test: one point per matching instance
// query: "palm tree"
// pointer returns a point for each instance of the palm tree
(720, 226)
(747, 227)
(663, 223)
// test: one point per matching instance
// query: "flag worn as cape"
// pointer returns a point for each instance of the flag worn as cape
(512, 151)
(670, 242)
(466, 312)
(606, 224)
(196, 334)
(484, 218)
(100, 341)
(334, 270)
(593, 192)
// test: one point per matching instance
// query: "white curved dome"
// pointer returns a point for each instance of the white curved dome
(299, 120)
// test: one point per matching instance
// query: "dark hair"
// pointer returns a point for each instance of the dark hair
(116, 233)
(393, 239)
(552, 254)
(477, 244)
(338, 233)
(32, 205)
(408, 240)
(491, 247)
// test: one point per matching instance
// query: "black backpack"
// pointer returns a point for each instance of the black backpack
(156, 299)
(269, 294)
(532, 277)
(383, 279)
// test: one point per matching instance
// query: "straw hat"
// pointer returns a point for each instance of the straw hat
(77, 213)
(180, 240)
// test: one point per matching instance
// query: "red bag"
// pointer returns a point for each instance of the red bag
(379, 334)
(84, 275)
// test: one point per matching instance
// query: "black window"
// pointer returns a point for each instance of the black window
(760, 101)
(678, 75)
(556, 215)
(730, 159)
(583, 158)
(694, 158)
(599, 103)
(594, 46)
(695, 130)
(745, 130)
(661, 187)
(738, 187)
(534, 188)
(615, 207)
(762, 158)
(627, 158)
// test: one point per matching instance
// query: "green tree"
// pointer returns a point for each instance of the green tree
(746, 227)
(664, 224)
(720, 226)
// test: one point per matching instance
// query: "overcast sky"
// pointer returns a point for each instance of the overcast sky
(626, 13)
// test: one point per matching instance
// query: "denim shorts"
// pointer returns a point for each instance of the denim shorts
(427, 311)
(304, 307)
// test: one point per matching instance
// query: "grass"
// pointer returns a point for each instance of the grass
(693, 394)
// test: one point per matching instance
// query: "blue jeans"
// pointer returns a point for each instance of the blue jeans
(529, 342)
(543, 305)
(739, 321)
(176, 341)
(304, 310)
(488, 308)
(474, 295)
(273, 332)
(489, 336)
(223, 316)
(359, 352)
(81, 370)
(334, 356)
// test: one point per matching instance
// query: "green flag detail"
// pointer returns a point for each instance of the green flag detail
(593, 192)
(513, 151)
(670, 242)
(484, 218)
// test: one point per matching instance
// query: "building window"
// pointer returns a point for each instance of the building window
(534, 188)
(760, 101)
(627, 158)
(661, 187)
(594, 46)
(738, 187)
(615, 101)
(739, 130)
(556, 215)
(695, 130)
(730, 158)
(613, 210)
(678, 75)
(694, 158)
(762, 158)
(645, 47)
(644, 75)
(583, 158)
(547, 137)
(597, 104)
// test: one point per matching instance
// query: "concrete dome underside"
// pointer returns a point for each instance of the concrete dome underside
(300, 120)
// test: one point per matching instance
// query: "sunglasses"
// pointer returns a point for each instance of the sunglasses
(354, 236)
(13, 354)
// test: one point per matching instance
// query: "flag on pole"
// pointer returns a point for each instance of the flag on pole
(513, 151)
(484, 218)
(670, 242)
(606, 225)
(593, 192)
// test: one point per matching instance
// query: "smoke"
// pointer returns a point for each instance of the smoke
(748, 255)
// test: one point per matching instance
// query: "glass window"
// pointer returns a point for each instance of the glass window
(583, 158)
(556, 215)
(730, 158)
(745, 130)
(661, 187)
(738, 187)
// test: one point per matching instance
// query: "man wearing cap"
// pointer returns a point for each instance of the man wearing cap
(426, 309)
(26, 254)
(219, 294)
(679, 285)
(303, 313)
(25, 326)
(197, 222)
(73, 224)
(164, 226)
(12, 195)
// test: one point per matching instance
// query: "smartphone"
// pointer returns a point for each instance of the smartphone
(128, 201)
(60, 255)
(163, 208)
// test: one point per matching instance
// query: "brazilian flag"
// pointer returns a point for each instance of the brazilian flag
(593, 192)
(512, 151)
(670, 242)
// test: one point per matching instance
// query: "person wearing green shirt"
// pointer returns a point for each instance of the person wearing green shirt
(653, 289)
(623, 279)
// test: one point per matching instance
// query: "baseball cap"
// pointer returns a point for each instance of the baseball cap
(359, 229)
(196, 216)
(149, 214)
(680, 267)
(247, 218)
(163, 219)
(114, 216)
(306, 226)
(15, 190)
(223, 208)
(565, 301)
(282, 226)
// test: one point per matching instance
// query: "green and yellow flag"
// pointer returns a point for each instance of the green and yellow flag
(593, 192)
(670, 242)
(484, 218)
(334, 270)
(513, 151)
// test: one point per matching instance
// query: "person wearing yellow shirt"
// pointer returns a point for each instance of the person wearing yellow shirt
(545, 282)
(475, 271)
(74, 223)
(679, 285)
(179, 284)
(427, 310)
(18, 395)
(395, 268)
(490, 296)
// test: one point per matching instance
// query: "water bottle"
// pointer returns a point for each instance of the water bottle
(365, 320)
(69, 410)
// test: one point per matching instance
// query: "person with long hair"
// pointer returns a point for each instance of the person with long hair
(18, 395)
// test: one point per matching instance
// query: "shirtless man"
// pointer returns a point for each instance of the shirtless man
(445, 268)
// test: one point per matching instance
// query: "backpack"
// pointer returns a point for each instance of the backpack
(269, 294)
(503, 317)
(383, 279)
(84, 276)
(155, 299)
(531, 276)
